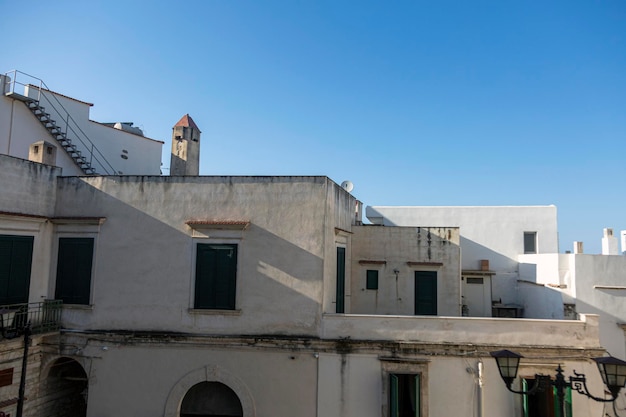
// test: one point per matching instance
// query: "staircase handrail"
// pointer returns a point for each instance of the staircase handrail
(41, 88)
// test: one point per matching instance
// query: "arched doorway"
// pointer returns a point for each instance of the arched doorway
(66, 386)
(211, 399)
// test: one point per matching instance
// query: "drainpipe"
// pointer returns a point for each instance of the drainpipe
(480, 388)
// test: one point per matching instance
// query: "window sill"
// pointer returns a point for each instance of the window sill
(214, 312)
(78, 306)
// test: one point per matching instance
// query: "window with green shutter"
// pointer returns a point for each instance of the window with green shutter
(216, 276)
(16, 254)
(74, 264)
(544, 402)
(371, 280)
(404, 393)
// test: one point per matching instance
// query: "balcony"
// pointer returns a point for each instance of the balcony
(42, 317)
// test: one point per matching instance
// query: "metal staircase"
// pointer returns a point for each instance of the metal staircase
(65, 130)
(60, 136)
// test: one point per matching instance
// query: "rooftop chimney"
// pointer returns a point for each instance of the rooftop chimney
(609, 243)
(578, 248)
(623, 233)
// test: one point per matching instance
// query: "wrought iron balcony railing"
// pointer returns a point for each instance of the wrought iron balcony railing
(42, 317)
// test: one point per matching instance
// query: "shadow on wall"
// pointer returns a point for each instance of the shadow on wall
(145, 257)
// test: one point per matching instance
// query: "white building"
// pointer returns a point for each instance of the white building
(44, 126)
(254, 296)
(526, 275)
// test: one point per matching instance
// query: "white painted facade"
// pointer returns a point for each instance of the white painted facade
(110, 150)
(545, 284)
(283, 349)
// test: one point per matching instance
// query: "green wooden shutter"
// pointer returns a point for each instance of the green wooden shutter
(418, 388)
(426, 293)
(567, 400)
(216, 276)
(74, 264)
(341, 279)
(16, 254)
(524, 398)
(394, 406)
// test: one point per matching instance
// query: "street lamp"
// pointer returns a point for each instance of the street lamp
(612, 370)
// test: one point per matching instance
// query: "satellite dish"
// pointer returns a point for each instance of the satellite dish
(347, 185)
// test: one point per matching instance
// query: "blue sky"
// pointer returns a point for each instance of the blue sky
(417, 103)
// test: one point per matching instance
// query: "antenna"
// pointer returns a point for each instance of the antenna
(347, 185)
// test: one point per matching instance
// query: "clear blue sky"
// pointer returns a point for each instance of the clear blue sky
(417, 103)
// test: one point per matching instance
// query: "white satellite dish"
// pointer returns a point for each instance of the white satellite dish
(347, 185)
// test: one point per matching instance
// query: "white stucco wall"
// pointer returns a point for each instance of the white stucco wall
(601, 289)
(405, 249)
(493, 233)
(27, 199)
(145, 266)
(596, 284)
(19, 128)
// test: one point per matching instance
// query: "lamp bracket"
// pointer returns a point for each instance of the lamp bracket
(579, 384)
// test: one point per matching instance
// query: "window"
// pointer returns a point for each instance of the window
(16, 254)
(6, 377)
(341, 279)
(426, 293)
(74, 265)
(544, 403)
(216, 276)
(371, 280)
(530, 242)
(404, 395)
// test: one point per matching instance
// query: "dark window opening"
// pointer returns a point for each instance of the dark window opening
(404, 390)
(530, 242)
(211, 399)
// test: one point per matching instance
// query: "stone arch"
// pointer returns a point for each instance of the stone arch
(64, 388)
(211, 399)
(210, 373)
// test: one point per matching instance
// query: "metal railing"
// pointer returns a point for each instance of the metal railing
(35, 89)
(42, 317)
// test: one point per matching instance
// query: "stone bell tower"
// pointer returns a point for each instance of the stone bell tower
(185, 158)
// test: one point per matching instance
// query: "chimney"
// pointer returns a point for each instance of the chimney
(623, 234)
(609, 243)
(578, 248)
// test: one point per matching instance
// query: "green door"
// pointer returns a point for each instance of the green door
(425, 293)
(16, 254)
(341, 280)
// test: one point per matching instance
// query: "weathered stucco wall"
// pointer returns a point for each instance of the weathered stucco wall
(145, 264)
(147, 376)
(27, 187)
(493, 233)
(405, 249)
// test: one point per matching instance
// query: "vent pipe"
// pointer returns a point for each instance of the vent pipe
(609, 243)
